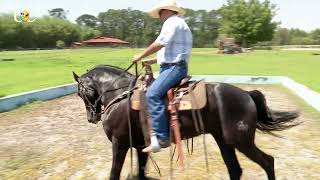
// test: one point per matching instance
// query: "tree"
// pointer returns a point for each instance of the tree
(130, 25)
(300, 37)
(281, 37)
(295, 36)
(204, 26)
(88, 33)
(60, 44)
(248, 21)
(112, 23)
(43, 33)
(87, 20)
(49, 30)
(58, 13)
(8, 32)
(315, 35)
(152, 28)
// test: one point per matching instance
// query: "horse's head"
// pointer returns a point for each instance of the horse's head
(89, 95)
(99, 86)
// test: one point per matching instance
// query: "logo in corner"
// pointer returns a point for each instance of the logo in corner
(24, 17)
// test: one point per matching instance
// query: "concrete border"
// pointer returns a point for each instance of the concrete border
(12, 102)
(240, 79)
(310, 96)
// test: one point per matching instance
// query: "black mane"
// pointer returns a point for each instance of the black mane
(107, 68)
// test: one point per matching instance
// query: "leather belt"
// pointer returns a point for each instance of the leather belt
(182, 63)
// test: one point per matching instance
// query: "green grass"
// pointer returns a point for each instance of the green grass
(41, 69)
(301, 66)
(32, 70)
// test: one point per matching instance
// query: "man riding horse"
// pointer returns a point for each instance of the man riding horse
(173, 47)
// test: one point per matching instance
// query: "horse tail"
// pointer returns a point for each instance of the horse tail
(270, 120)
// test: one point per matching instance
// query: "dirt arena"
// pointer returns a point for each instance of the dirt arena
(53, 140)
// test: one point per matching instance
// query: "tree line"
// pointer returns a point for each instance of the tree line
(133, 26)
(45, 32)
(248, 21)
(284, 36)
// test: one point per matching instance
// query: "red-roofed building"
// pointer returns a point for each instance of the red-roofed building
(104, 41)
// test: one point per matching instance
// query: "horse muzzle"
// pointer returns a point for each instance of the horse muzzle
(93, 117)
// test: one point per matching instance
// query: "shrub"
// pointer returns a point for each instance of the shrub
(60, 44)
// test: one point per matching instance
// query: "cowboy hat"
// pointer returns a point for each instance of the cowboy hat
(166, 4)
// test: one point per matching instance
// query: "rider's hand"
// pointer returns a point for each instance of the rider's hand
(149, 62)
(136, 58)
(145, 63)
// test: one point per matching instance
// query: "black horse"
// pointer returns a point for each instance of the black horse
(231, 116)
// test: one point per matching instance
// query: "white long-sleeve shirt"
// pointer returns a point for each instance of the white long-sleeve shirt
(176, 38)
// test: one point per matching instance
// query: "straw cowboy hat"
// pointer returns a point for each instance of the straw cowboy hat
(166, 4)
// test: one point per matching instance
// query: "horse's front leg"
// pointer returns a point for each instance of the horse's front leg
(143, 158)
(119, 152)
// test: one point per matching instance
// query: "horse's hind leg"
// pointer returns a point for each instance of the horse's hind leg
(264, 160)
(118, 156)
(142, 157)
(230, 159)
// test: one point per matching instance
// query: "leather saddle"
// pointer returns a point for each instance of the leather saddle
(192, 95)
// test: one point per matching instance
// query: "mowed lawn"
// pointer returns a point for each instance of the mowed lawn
(30, 70)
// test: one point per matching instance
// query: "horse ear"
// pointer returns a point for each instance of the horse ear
(75, 76)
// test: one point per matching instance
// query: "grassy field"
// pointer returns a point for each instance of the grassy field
(30, 70)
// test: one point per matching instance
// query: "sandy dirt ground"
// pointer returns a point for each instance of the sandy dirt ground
(53, 140)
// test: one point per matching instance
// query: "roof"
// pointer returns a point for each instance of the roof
(105, 40)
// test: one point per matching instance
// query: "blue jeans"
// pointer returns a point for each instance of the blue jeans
(168, 77)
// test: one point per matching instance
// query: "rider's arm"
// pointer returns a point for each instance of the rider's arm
(153, 48)
(166, 35)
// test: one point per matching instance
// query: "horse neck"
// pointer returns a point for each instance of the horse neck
(112, 82)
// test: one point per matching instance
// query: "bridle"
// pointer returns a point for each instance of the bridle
(93, 106)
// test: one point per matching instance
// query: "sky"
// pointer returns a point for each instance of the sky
(302, 14)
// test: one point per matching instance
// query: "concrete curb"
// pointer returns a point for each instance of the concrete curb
(11, 102)
(240, 79)
(310, 96)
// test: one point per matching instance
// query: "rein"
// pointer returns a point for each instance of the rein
(131, 84)
(115, 80)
